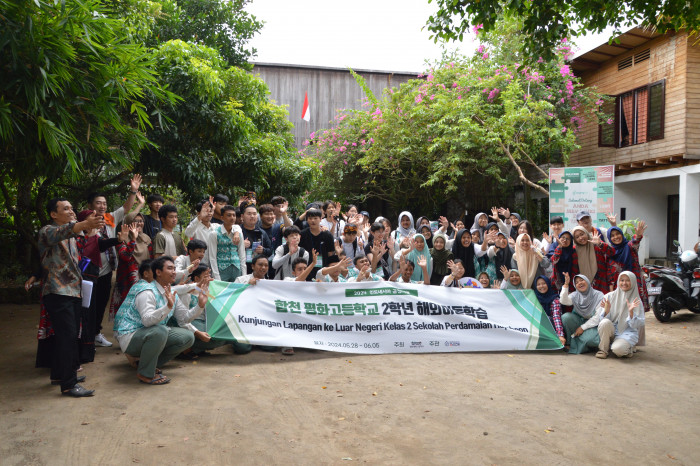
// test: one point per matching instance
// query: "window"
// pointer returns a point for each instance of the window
(638, 117)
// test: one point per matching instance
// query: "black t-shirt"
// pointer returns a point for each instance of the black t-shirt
(323, 243)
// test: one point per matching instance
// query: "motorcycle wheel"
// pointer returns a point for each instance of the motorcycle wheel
(661, 313)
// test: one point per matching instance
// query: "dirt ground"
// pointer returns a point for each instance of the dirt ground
(335, 408)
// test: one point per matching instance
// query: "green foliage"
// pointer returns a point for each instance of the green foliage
(628, 227)
(73, 87)
(470, 119)
(93, 90)
(225, 134)
(220, 24)
(545, 23)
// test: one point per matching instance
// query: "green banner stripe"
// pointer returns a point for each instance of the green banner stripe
(524, 305)
(220, 327)
(552, 340)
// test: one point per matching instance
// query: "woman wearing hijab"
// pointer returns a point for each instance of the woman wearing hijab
(502, 254)
(418, 250)
(131, 255)
(528, 260)
(549, 300)
(619, 319)
(591, 258)
(427, 234)
(585, 300)
(514, 222)
(464, 249)
(512, 280)
(441, 255)
(480, 222)
(564, 260)
(404, 228)
(626, 258)
(486, 264)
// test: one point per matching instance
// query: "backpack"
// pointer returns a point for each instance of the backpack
(280, 271)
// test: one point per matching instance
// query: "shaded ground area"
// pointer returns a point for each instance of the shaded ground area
(335, 408)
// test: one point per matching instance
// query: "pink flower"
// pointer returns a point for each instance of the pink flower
(480, 49)
(430, 77)
(459, 97)
(599, 102)
(362, 143)
(432, 97)
(342, 149)
(371, 140)
(454, 84)
(610, 121)
(354, 144)
(419, 98)
(563, 130)
(311, 136)
(485, 56)
(565, 71)
(345, 161)
(475, 28)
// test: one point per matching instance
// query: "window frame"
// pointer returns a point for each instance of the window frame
(617, 122)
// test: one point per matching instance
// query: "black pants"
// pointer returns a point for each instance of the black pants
(64, 312)
(100, 298)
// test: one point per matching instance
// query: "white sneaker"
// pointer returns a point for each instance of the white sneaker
(100, 340)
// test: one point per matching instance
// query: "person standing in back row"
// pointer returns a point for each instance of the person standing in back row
(102, 288)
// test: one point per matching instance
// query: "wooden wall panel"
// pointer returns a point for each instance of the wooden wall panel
(328, 89)
(669, 61)
(692, 90)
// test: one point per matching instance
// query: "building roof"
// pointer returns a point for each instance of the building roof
(330, 68)
(629, 40)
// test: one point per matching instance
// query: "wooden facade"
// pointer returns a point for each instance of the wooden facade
(329, 89)
(614, 70)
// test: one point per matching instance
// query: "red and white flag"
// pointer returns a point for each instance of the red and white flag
(306, 112)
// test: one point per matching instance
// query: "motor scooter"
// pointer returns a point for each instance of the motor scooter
(673, 289)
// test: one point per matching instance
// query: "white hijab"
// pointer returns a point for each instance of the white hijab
(405, 232)
(618, 300)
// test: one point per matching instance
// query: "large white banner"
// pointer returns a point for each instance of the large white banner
(378, 317)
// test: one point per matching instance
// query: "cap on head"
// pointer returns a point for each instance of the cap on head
(582, 214)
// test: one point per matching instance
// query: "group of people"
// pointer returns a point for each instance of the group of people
(588, 280)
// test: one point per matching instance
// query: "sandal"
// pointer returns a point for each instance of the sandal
(288, 351)
(601, 355)
(159, 379)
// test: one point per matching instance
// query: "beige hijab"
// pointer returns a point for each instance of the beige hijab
(141, 252)
(587, 263)
(528, 261)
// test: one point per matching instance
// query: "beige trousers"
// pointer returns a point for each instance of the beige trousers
(620, 346)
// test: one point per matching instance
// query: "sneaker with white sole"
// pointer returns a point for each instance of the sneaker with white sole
(100, 340)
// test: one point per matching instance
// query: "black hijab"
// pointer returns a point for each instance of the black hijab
(464, 253)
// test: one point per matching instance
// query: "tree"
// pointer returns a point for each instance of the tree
(545, 23)
(223, 25)
(72, 93)
(483, 117)
(225, 134)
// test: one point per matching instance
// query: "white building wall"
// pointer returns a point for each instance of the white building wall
(645, 196)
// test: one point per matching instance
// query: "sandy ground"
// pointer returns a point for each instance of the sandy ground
(335, 408)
